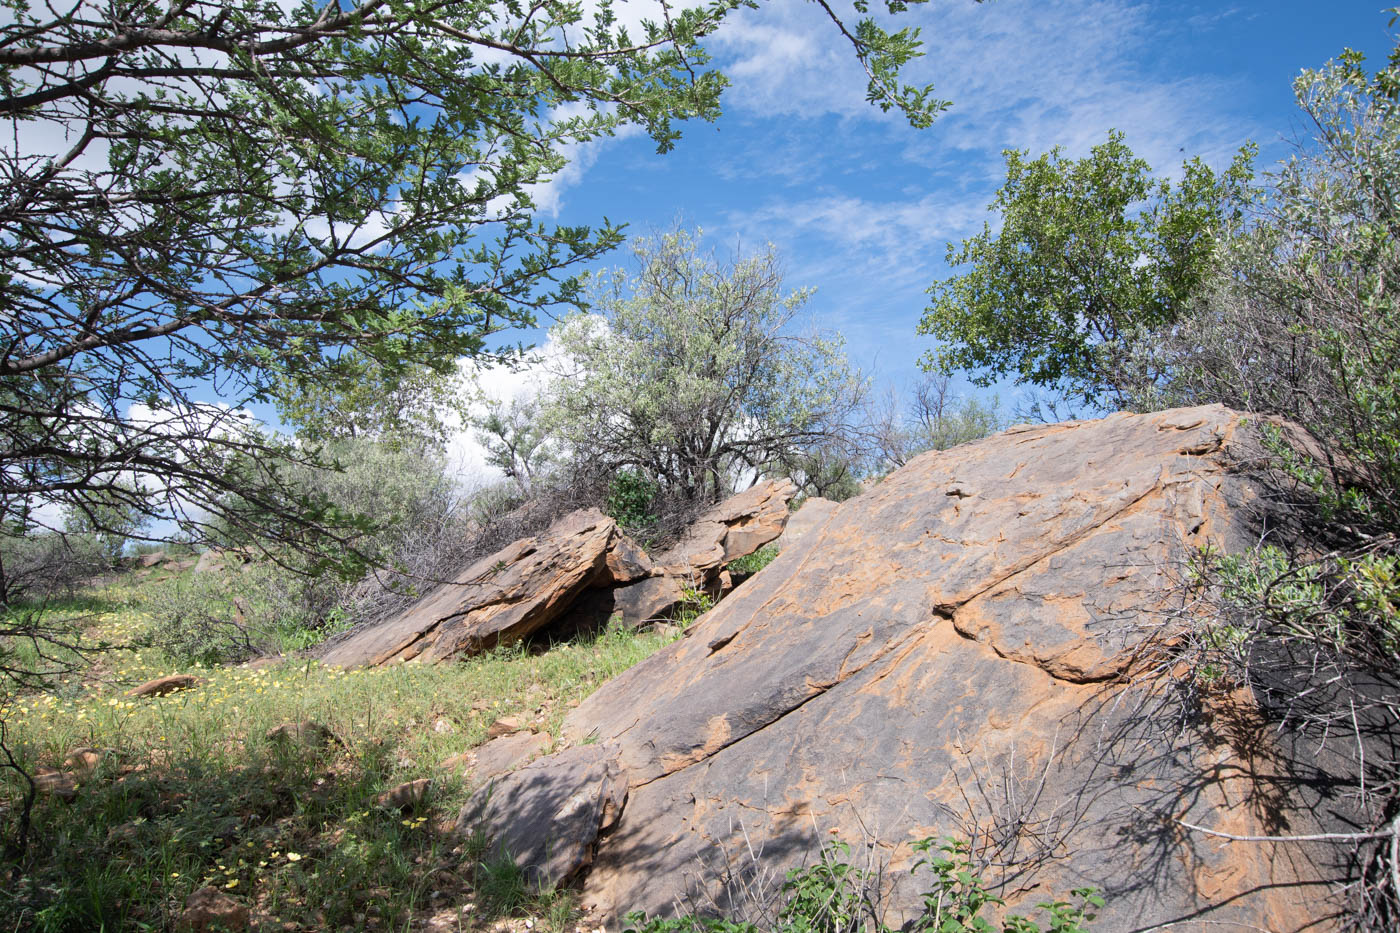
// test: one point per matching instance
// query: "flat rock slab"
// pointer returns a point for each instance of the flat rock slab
(945, 655)
(499, 756)
(813, 513)
(734, 528)
(548, 815)
(162, 686)
(499, 599)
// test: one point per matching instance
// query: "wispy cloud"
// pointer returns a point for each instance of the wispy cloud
(1024, 74)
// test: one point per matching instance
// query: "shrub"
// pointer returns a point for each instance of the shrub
(631, 495)
(44, 564)
(220, 617)
(416, 531)
(833, 896)
(753, 563)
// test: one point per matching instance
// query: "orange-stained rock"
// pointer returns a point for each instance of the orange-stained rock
(506, 725)
(82, 762)
(164, 685)
(499, 599)
(405, 796)
(944, 655)
(734, 528)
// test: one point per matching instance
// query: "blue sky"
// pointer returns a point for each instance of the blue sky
(861, 206)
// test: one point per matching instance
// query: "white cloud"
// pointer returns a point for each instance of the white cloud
(1023, 74)
(466, 455)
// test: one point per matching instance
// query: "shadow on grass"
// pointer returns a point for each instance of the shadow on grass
(291, 831)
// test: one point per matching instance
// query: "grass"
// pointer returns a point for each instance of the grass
(190, 793)
(753, 563)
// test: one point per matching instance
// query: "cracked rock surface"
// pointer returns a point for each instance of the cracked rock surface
(499, 599)
(946, 655)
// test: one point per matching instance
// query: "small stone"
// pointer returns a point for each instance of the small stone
(308, 734)
(443, 727)
(165, 685)
(264, 662)
(406, 796)
(53, 783)
(209, 909)
(503, 726)
(82, 762)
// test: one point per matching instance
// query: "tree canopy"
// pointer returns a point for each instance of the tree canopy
(1090, 251)
(205, 201)
(693, 371)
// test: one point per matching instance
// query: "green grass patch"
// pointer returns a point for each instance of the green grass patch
(189, 791)
(753, 563)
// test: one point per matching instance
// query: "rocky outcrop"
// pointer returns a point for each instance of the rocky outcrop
(497, 600)
(578, 574)
(952, 654)
(736, 527)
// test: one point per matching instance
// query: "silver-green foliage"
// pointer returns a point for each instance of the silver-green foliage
(694, 370)
(415, 521)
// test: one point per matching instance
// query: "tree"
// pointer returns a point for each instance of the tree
(412, 404)
(241, 193)
(1090, 252)
(516, 437)
(1303, 317)
(934, 419)
(691, 371)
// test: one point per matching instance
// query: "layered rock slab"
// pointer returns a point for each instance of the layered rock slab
(734, 528)
(948, 654)
(499, 599)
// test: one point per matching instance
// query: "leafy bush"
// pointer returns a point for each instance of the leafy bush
(43, 564)
(219, 617)
(416, 532)
(631, 495)
(954, 904)
(753, 563)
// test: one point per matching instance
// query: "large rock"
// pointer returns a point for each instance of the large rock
(813, 514)
(952, 654)
(734, 528)
(499, 599)
(499, 756)
(548, 815)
